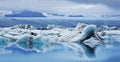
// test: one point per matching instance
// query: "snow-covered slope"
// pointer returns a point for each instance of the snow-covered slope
(25, 13)
(4, 12)
(53, 15)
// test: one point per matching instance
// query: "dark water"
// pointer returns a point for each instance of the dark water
(68, 22)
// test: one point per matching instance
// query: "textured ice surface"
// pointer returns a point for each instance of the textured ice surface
(57, 43)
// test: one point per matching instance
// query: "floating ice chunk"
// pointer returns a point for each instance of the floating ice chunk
(51, 26)
(30, 42)
(23, 26)
(87, 32)
(80, 26)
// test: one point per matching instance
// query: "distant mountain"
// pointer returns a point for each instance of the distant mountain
(26, 14)
(110, 16)
(3, 12)
(115, 15)
(58, 14)
(105, 15)
(75, 16)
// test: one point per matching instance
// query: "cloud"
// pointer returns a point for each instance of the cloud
(110, 3)
(32, 4)
(83, 7)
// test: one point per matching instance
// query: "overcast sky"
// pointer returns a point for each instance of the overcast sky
(83, 7)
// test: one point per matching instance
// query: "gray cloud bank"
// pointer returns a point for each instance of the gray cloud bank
(115, 4)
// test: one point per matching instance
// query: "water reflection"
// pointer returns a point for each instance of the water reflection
(110, 48)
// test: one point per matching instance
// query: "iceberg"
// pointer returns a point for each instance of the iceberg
(83, 39)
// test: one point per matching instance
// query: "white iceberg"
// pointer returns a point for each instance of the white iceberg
(83, 39)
